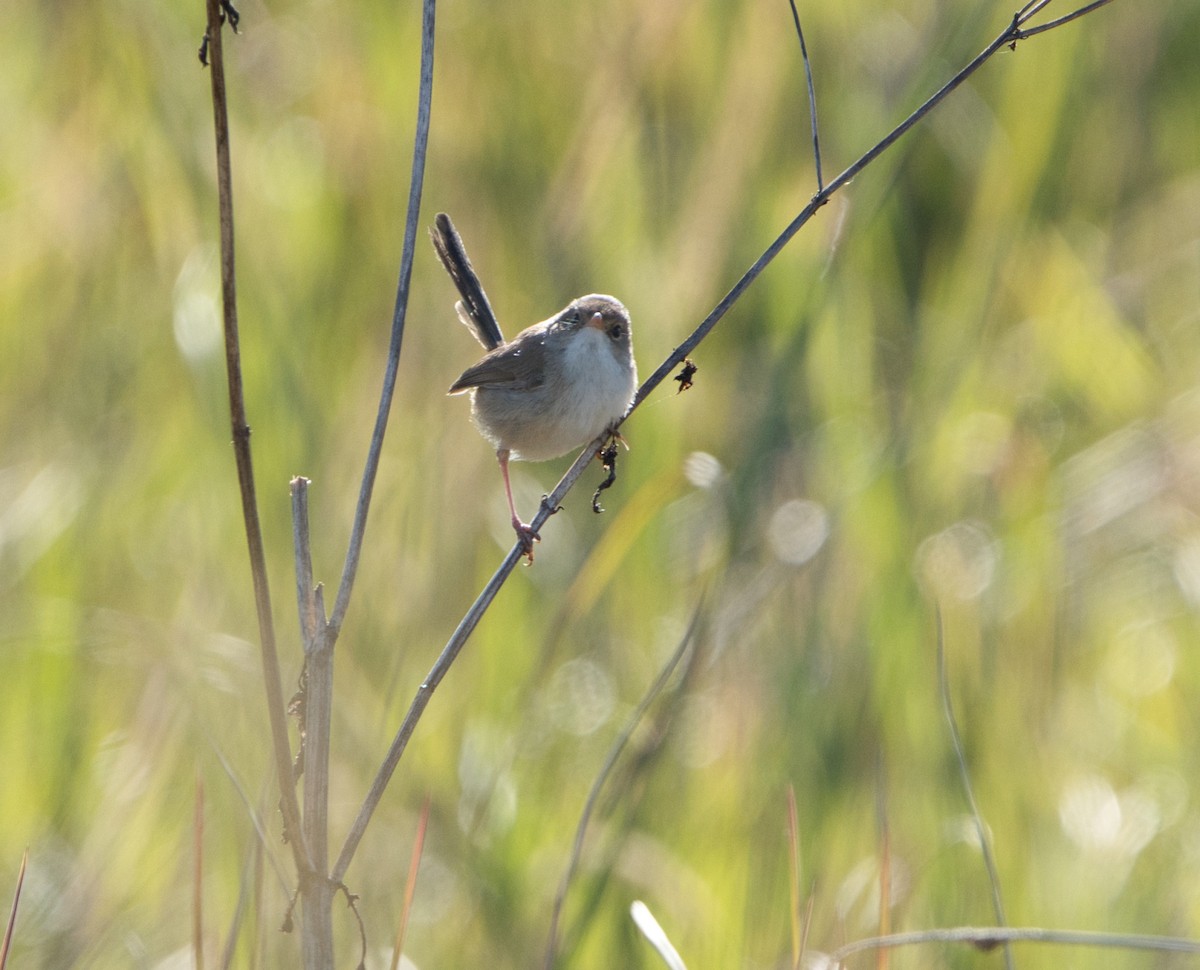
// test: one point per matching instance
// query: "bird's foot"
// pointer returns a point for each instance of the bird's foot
(614, 437)
(526, 536)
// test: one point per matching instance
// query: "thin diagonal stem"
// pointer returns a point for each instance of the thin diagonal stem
(985, 845)
(812, 95)
(986, 937)
(424, 694)
(610, 762)
(399, 313)
(1066, 19)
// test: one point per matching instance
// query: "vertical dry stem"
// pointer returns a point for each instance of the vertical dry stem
(281, 747)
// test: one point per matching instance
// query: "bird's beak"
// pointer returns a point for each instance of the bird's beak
(597, 321)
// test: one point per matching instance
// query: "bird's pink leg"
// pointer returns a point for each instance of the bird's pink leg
(525, 533)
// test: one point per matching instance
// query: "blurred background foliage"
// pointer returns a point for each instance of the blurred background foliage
(971, 381)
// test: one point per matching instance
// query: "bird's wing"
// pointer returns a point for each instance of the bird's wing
(518, 366)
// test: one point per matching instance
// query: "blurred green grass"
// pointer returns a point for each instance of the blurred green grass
(972, 380)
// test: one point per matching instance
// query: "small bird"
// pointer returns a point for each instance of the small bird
(555, 386)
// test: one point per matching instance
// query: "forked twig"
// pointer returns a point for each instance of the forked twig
(1014, 32)
(1065, 19)
(420, 146)
(1032, 8)
(812, 95)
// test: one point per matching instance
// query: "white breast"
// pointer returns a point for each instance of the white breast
(592, 389)
(596, 390)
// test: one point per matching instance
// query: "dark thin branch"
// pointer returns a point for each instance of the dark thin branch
(1074, 15)
(1031, 9)
(610, 762)
(416, 186)
(1011, 34)
(985, 844)
(812, 95)
(280, 745)
(447, 657)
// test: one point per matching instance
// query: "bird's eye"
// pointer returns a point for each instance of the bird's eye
(616, 330)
